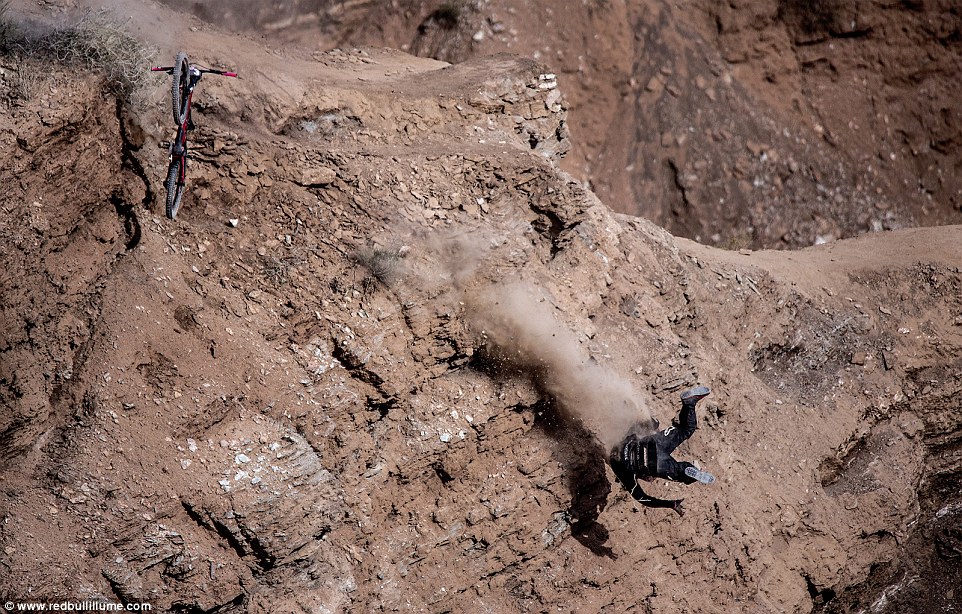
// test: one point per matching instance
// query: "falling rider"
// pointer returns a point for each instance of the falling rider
(649, 456)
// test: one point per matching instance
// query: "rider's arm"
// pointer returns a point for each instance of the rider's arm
(630, 482)
(648, 501)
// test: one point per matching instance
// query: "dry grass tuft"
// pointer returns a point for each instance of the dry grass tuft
(384, 264)
(96, 41)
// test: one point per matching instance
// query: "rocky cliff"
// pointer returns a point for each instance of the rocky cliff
(379, 359)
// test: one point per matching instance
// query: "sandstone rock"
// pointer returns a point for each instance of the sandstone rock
(316, 176)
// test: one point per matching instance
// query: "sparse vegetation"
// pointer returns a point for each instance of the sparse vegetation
(275, 270)
(96, 41)
(25, 82)
(21, 79)
(278, 269)
(383, 264)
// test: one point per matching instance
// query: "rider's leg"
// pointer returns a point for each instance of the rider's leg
(687, 422)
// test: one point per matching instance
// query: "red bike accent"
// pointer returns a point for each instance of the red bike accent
(182, 92)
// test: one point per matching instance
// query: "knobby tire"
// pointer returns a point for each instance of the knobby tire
(175, 189)
(179, 88)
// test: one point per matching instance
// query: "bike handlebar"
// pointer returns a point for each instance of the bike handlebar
(169, 69)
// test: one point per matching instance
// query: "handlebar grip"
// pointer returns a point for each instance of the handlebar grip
(161, 68)
(229, 74)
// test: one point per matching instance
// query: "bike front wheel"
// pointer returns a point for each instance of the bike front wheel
(175, 188)
(180, 88)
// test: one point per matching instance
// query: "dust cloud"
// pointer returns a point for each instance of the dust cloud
(521, 332)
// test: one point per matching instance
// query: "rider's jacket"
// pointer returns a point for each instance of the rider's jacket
(649, 456)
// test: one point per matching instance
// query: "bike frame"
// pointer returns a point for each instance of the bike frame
(178, 148)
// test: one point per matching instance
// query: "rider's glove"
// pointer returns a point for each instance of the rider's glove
(677, 506)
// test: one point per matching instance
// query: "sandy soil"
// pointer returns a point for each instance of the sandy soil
(379, 359)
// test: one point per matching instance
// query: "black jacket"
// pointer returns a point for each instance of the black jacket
(649, 456)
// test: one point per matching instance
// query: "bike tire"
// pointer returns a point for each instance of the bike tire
(179, 88)
(175, 189)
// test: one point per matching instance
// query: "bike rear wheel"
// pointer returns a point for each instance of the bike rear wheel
(175, 188)
(180, 90)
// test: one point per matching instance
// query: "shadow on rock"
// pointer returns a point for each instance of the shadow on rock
(583, 458)
(575, 448)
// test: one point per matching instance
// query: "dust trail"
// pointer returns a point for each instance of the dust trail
(523, 335)
(522, 332)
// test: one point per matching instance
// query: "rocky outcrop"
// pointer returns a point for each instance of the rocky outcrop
(285, 400)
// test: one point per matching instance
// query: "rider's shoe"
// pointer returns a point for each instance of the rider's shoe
(697, 474)
(695, 394)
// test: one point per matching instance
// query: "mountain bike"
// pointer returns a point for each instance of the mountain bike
(185, 78)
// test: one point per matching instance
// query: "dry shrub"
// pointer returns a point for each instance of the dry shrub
(383, 264)
(99, 42)
(96, 41)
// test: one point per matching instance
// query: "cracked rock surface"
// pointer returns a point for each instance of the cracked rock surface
(378, 361)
